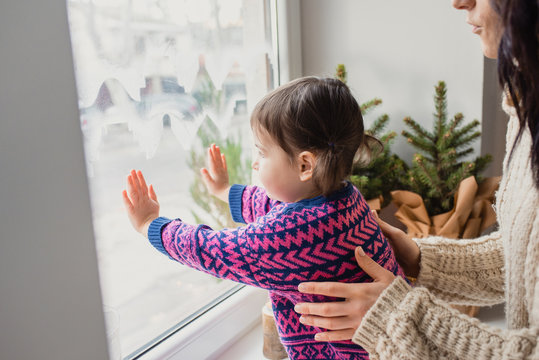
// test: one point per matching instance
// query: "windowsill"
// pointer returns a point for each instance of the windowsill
(249, 347)
(212, 333)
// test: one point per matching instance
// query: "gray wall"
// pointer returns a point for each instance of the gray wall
(50, 303)
(398, 50)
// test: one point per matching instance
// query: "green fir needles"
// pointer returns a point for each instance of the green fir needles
(438, 167)
(386, 170)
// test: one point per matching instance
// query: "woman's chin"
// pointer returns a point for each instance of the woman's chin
(490, 53)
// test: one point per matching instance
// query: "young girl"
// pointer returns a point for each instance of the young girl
(302, 226)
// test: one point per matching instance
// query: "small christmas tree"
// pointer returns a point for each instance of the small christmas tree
(340, 73)
(385, 171)
(438, 169)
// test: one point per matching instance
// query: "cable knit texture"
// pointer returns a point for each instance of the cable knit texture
(282, 245)
(417, 323)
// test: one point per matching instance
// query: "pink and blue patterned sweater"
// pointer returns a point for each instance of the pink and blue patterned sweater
(282, 245)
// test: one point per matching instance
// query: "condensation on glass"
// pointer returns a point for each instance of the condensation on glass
(158, 81)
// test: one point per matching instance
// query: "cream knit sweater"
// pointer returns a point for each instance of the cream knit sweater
(417, 323)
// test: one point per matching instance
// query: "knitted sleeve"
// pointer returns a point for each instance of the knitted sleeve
(468, 272)
(226, 254)
(247, 203)
(275, 252)
(411, 323)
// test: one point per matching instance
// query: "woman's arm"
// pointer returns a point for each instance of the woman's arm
(468, 272)
(394, 320)
(458, 271)
(413, 324)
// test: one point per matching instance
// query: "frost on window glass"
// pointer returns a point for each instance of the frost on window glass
(159, 81)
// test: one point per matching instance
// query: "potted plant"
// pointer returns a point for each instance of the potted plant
(386, 170)
(447, 196)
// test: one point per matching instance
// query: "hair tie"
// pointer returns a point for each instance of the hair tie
(331, 145)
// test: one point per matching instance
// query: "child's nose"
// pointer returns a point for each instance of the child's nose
(254, 165)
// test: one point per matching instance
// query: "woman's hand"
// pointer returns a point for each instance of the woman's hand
(140, 202)
(342, 318)
(216, 178)
(406, 250)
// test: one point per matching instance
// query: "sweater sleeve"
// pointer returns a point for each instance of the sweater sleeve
(225, 254)
(247, 203)
(467, 272)
(410, 323)
(242, 254)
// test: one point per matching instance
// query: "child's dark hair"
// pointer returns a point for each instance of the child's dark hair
(319, 115)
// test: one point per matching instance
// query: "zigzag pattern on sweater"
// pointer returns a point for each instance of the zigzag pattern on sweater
(323, 351)
(283, 245)
(298, 339)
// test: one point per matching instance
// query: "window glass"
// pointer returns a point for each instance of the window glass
(158, 81)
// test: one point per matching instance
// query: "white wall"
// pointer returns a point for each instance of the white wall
(396, 50)
(50, 301)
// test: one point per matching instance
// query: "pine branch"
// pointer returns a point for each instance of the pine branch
(458, 133)
(465, 170)
(341, 74)
(466, 140)
(420, 143)
(388, 138)
(455, 122)
(481, 163)
(440, 105)
(447, 161)
(462, 154)
(378, 125)
(420, 131)
(366, 107)
(428, 174)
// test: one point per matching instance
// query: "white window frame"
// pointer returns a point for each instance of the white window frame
(56, 295)
(286, 15)
(214, 331)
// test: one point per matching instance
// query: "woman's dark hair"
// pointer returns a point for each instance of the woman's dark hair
(319, 115)
(518, 66)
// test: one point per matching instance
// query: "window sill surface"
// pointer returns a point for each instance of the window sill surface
(249, 347)
(215, 331)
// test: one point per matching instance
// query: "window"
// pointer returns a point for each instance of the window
(158, 81)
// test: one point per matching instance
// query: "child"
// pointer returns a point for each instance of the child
(303, 226)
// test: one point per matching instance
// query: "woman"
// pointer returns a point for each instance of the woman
(391, 319)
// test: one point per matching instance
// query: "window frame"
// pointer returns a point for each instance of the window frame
(223, 321)
(214, 330)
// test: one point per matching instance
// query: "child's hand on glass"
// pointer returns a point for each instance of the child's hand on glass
(216, 177)
(140, 202)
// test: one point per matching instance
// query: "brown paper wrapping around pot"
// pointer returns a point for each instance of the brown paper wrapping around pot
(376, 203)
(472, 212)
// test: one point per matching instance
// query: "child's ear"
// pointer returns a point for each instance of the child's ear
(306, 164)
